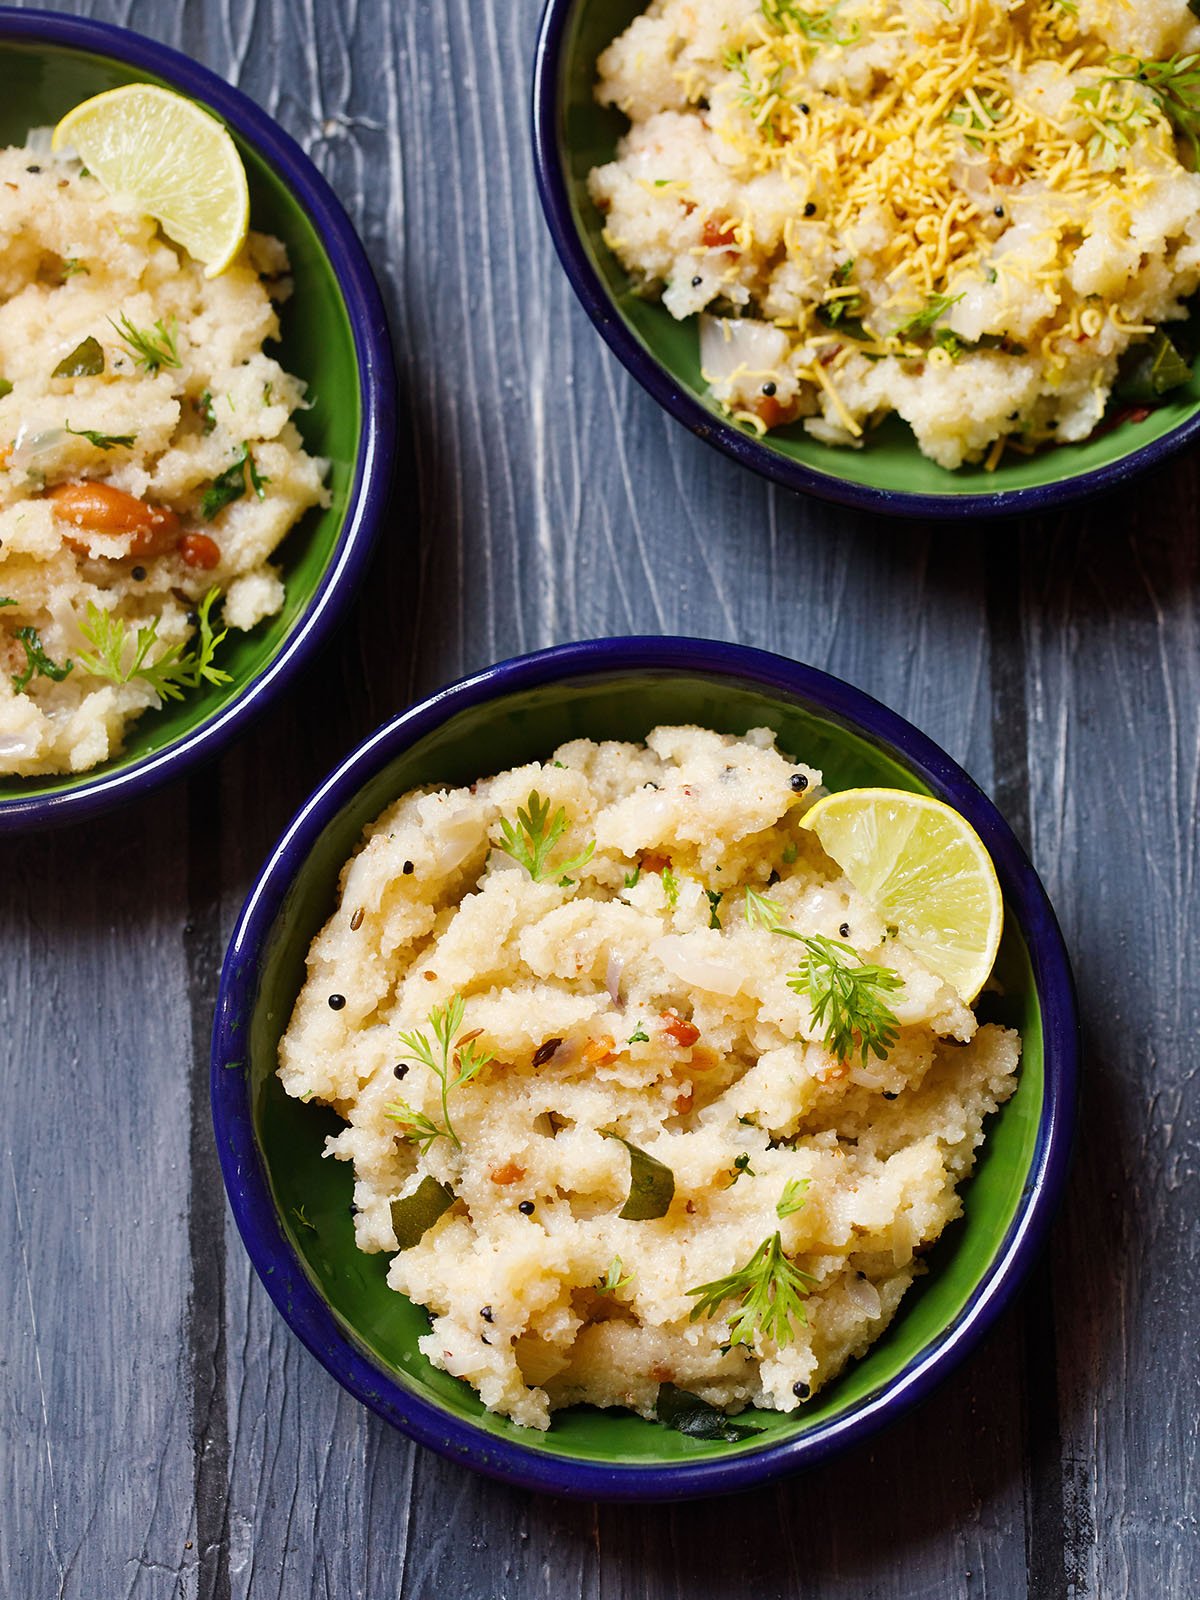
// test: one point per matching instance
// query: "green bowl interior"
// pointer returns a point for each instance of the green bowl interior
(588, 136)
(313, 1195)
(41, 83)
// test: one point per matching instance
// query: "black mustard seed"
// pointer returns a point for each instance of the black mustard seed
(768, 389)
(799, 782)
(336, 1002)
(526, 1208)
(408, 868)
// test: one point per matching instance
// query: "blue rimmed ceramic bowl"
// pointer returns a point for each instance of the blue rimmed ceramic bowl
(572, 134)
(293, 1207)
(334, 335)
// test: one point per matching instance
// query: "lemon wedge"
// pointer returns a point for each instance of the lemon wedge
(161, 153)
(924, 869)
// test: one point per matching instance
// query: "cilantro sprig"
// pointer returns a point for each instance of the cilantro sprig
(120, 656)
(922, 321)
(454, 1059)
(37, 663)
(846, 996)
(822, 27)
(844, 992)
(615, 1279)
(230, 485)
(1174, 83)
(533, 836)
(151, 348)
(104, 441)
(770, 1292)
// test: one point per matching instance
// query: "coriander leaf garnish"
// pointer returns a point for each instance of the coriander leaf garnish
(845, 994)
(37, 662)
(151, 347)
(613, 1280)
(6, 600)
(1175, 84)
(690, 1415)
(741, 1164)
(453, 1060)
(715, 896)
(117, 656)
(1115, 114)
(759, 95)
(206, 411)
(85, 361)
(5, 387)
(935, 307)
(843, 311)
(300, 1216)
(530, 841)
(842, 989)
(763, 912)
(72, 266)
(819, 26)
(639, 1036)
(414, 1214)
(230, 485)
(770, 1292)
(794, 1196)
(631, 878)
(103, 441)
(670, 885)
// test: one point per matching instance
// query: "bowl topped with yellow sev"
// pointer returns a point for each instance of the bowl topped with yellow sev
(979, 218)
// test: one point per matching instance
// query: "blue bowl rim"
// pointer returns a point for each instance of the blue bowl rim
(242, 1167)
(708, 425)
(369, 490)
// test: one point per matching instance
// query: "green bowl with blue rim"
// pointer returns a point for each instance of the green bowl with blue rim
(334, 335)
(293, 1206)
(572, 134)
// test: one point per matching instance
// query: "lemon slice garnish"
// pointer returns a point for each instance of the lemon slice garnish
(160, 152)
(924, 869)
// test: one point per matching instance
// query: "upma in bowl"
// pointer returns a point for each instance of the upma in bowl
(614, 1130)
(297, 1207)
(333, 341)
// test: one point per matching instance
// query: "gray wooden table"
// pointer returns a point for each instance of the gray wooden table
(162, 1434)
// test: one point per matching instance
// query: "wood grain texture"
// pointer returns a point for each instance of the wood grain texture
(163, 1434)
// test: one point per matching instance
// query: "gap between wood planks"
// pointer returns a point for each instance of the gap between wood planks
(1045, 1523)
(208, 1408)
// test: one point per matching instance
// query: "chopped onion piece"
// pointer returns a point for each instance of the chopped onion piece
(676, 952)
(730, 343)
(612, 978)
(463, 833)
(865, 1296)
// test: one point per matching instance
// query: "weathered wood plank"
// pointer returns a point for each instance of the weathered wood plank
(1111, 630)
(95, 1443)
